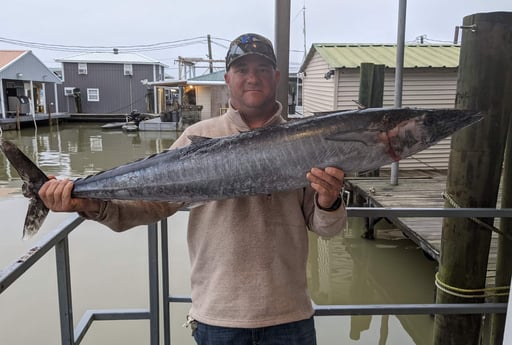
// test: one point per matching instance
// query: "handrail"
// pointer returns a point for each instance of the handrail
(58, 238)
(429, 212)
(18, 267)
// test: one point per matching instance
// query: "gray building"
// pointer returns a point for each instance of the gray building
(109, 83)
(27, 86)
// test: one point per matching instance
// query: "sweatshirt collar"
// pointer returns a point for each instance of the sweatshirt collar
(235, 117)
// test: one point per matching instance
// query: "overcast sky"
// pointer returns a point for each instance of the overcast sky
(95, 23)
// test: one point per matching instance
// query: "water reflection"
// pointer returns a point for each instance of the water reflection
(73, 150)
(389, 270)
(344, 270)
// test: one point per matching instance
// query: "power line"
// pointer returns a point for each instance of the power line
(126, 48)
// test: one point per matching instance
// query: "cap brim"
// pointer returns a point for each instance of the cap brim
(272, 62)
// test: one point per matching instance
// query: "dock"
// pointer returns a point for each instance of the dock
(421, 189)
(10, 123)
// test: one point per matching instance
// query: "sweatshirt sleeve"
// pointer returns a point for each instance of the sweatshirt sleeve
(123, 215)
(324, 223)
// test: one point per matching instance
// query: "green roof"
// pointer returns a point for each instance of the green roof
(215, 76)
(415, 56)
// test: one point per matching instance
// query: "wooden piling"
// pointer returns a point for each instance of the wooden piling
(371, 85)
(371, 93)
(475, 167)
(504, 255)
(18, 126)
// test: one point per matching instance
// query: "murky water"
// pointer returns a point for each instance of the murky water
(109, 270)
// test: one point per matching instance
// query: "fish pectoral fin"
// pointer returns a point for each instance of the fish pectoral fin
(36, 214)
(194, 139)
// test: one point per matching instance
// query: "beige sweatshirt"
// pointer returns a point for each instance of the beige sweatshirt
(248, 255)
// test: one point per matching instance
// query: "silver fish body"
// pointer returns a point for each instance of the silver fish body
(265, 160)
(276, 158)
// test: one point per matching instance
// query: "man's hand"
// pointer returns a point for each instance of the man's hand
(328, 183)
(56, 195)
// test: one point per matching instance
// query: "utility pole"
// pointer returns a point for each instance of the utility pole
(304, 31)
(282, 47)
(400, 48)
(210, 53)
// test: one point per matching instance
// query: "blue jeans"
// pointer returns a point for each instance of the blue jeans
(293, 333)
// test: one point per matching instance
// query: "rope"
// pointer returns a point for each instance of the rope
(471, 293)
(491, 228)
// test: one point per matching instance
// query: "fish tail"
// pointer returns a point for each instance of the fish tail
(33, 178)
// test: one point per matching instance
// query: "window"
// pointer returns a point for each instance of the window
(82, 68)
(128, 69)
(68, 91)
(93, 95)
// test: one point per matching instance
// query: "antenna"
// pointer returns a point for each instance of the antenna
(304, 30)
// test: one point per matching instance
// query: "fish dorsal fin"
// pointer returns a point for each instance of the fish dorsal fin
(196, 139)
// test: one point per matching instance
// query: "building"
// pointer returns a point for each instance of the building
(331, 77)
(208, 91)
(109, 83)
(27, 86)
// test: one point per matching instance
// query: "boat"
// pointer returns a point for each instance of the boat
(117, 125)
(130, 127)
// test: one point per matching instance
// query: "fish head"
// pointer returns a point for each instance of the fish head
(422, 128)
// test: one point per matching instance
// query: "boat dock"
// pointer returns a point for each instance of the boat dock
(11, 122)
(421, 189)
(117, 120)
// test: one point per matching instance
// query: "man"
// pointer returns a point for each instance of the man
(248, 255)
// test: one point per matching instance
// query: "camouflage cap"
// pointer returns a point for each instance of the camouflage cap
(250, 44)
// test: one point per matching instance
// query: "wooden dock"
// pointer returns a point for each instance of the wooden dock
(11, 122)
(422, 189)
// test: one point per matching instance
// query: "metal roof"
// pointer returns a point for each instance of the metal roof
(24, 65)
(210, 77)
(111, 57)
(10, 56)
(415, 56)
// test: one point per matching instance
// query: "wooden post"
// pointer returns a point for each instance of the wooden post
(18, 125)
(49, 113)
(371, 85)
(371, 93)
(484, 83)
(504, 256)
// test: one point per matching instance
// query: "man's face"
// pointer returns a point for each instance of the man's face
(252, 81)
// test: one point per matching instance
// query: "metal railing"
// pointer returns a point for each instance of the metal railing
(58, 239)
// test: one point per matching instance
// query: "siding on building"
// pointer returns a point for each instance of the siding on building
(317, 92)
(118, 93)
(203, 97)
(213, 98)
